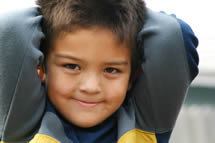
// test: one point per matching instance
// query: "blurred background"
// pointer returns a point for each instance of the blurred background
(196, 122)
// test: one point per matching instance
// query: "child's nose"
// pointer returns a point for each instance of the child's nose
(90, 84)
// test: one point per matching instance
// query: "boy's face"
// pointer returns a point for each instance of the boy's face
(87, 75)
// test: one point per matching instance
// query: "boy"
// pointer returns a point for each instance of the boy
(89, 50)
(89, 67)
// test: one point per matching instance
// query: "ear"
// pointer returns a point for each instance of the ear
(41, 74)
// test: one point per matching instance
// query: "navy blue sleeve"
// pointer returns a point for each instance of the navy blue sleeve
(163, 138)
(190, 42)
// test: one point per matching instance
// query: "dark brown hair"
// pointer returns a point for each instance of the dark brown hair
(123, 17)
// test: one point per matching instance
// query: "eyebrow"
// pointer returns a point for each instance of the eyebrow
(67, 57)
(116, 63)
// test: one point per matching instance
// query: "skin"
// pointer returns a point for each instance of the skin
(87, 75)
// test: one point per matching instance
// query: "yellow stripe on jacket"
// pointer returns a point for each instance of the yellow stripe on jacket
(39, 138)
(138, 136)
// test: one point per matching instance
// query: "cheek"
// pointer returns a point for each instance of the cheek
(59, 85)
(115, 93)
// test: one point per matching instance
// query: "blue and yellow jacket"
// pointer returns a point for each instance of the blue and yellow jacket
(147, 116)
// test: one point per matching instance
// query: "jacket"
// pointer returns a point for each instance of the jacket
(151, 109)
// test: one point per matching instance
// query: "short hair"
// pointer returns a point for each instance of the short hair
(125, 18)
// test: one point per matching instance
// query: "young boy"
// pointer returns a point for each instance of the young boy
(95, 92)
(89, 57)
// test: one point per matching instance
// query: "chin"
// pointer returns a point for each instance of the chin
(86, 124)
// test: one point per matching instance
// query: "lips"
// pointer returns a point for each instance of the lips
(87, 104)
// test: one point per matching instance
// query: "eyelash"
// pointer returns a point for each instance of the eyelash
(75, 67)
(112, 70)
(72, 67)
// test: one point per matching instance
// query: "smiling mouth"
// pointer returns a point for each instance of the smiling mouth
(87, 104)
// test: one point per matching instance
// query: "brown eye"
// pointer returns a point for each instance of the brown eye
(72, 67)
(112, 70)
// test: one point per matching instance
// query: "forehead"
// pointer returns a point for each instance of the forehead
(113, 33)
(91, 42)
